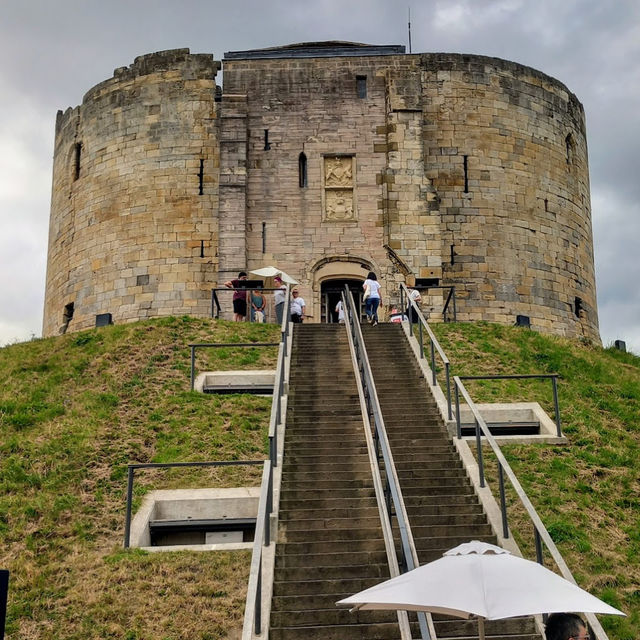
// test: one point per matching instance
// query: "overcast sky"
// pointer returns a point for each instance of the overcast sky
(53, 51)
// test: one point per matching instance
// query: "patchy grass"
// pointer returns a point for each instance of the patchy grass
(588, 492)
(74, 411)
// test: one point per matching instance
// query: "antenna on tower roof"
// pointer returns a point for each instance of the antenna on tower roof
(409, 29)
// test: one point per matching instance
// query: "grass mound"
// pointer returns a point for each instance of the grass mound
(74, 411)
(588, 492)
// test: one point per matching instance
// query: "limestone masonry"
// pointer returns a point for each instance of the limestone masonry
(328, 160)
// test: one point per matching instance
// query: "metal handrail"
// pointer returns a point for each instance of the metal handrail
(131, 469)
(392, 490)
(541, 533)
(219, 345)
(253, 607)
(527, 376)
(434, 345)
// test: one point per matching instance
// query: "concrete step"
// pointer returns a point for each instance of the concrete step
(317, 524)
(312, 561)
(446, 542)
(331, 616)
(380, 631)
(300, 494)
(334, 535)
(333, 546)
(302, 513)
(374, 572)
(307, 587)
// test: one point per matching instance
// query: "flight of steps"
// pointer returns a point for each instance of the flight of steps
(442, 507)
(329, 541)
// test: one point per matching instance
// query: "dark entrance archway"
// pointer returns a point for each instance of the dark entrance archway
(330, 294)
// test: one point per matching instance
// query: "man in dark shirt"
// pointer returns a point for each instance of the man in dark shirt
(239, 297)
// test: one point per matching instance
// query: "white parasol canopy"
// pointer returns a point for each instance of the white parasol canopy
(480, 580)
(272, 272)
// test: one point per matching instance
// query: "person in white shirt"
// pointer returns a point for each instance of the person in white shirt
(297, 306)
(414, 296)
(373, 299)
(279, 298)
(340, 312)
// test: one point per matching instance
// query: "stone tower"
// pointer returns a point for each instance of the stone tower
(329, 160)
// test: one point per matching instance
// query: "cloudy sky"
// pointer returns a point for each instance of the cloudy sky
(53, 51)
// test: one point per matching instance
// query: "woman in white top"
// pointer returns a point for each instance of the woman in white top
(279, 298)
(374, 299)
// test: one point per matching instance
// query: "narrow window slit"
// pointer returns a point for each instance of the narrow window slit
(76, 161)
(466, 173)
(267, 144)
(264, 237)
(302, 171)
(361, 86)
(202, 248)
(201, 178)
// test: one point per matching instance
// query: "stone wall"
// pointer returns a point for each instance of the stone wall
(328, 161)
(521, 226)
(133, 228)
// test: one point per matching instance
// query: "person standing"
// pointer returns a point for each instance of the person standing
(297, 307)
(279, 298)
(258, 304)
(373, 299)
(340, 312)
(414, 296)
(239, 296)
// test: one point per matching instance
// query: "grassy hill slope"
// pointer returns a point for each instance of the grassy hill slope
(588, 492)
(74, 411)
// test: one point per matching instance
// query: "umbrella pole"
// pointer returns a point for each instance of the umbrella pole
(480, 628)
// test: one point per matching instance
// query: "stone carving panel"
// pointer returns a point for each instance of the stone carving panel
(339, 204)
(338, 188)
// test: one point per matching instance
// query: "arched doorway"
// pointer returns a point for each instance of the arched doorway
(331, 293)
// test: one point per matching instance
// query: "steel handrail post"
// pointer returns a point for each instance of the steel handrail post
(479, 449)
(539, 558)
(448, 378)
(554, 384)
(212, 302)
(127, 521)
(433, 360)
(503, 502)
(455, 313)
(421, 339)
(458, 425)
(193, 365)
(258, 604)
(269, 509)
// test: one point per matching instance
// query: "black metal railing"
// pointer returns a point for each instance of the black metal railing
(553, 377)
(541, 535)
(253, 608)
(423, 329)
(132, 468)
(393, 494)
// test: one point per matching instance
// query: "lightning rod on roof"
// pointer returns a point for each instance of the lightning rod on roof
(409, 29)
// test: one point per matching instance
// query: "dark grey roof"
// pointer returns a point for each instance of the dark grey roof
(328, 49)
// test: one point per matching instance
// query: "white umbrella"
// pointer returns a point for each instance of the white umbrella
(272, 272)
(481, 580)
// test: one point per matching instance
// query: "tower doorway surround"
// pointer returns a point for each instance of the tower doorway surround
(330, 275)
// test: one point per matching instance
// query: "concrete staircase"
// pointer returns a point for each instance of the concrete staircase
(329, 541)
(442, 507)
